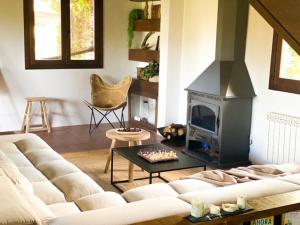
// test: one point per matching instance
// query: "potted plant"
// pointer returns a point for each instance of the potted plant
(134, 15)
(149, 72)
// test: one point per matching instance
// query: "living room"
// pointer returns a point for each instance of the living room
(191, 39)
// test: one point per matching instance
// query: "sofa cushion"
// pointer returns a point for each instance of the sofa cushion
(99, 201)
(253, 189)
(135, 212)
(41, 212)
(42, 155)
(32, 174)
(12, 172)
(76, 185)
(63, 209)
(149, 191)
(19, 159)
(189, 185)
(8, 147)
(57, 168)
(14, 209)
(48, 193)
(31, 143)
(295, 178)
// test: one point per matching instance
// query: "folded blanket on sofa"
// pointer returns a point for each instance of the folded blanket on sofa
(218, 177)
(245, 174)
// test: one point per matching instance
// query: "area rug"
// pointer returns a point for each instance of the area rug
(93, 163)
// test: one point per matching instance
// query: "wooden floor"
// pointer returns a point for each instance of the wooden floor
(89, 153)
(78, 139)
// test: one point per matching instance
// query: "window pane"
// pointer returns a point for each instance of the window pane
(82, 29)
(290, 63)
(47, 29)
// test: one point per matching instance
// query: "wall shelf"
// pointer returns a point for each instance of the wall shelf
(146, 89)
(142, 55)
(147, 25)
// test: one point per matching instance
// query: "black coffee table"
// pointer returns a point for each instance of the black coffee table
(130, 153)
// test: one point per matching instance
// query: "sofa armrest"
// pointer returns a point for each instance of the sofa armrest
(127, 214)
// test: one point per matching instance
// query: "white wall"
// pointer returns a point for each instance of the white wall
(188, 42)
(258, 59)
(188, 37)
(66, 87)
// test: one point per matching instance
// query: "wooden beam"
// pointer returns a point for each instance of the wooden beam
(284, 17)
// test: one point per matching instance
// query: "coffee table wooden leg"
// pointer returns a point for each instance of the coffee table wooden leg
(130, 168)
(113, 143)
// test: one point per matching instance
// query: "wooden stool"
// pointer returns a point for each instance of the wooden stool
(132, 139)
(26, 125)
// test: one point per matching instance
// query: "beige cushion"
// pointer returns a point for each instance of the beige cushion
(14, 209)
(17, 137)
(135, 212)
(189, 185)
(1, 172)
(31, 143)
(57, 168)
(295, 178)
(19, 159)
(48, 193)
(41, 212)
(12, 172)
(32, 174)
(63, 209)
(149, 191)
(76, 185)
(253, 189)
(99, 201)
(42, 155)
(8, 147)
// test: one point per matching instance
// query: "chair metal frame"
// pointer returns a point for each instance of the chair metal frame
(104, 114)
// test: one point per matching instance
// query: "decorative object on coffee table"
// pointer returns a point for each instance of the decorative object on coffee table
(132, 139)
(129, 130)
(154, 155)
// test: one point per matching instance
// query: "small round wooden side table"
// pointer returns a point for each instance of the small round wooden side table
(132, 139)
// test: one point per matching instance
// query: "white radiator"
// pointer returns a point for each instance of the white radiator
(283, 138)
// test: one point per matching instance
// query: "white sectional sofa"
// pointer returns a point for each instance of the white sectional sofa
(38, 186)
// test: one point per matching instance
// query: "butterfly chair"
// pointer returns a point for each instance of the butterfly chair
(106, 99)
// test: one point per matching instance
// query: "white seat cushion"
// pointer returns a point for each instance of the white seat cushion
(31, 143)
(99, 201)
(149, 191)
(32, 174)
(8, 147)
(76, 185)
(64, 209)
(42, 156)
(42, 214)
(135, 212)
(295, 178)
(13, 173)
(189, 185)
(13, 207)
(253, 189)
(19, 159)
(57, 168)
(48, 193)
